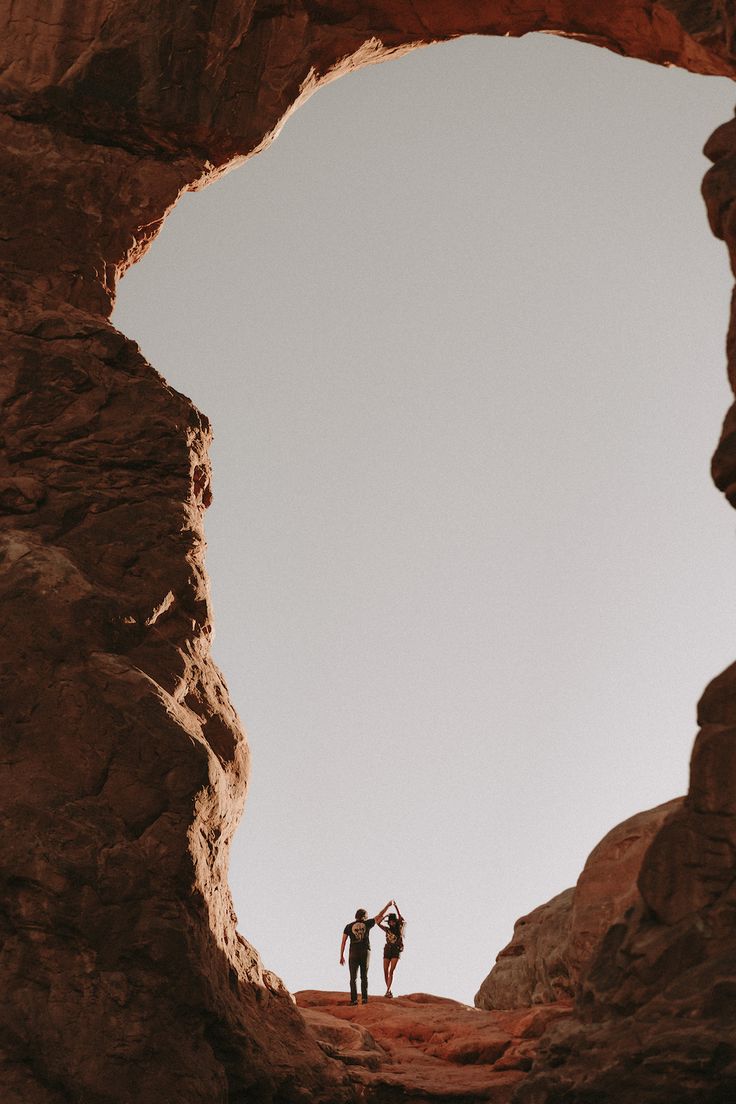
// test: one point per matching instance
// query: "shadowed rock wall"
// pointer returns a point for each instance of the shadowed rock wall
(122, 766)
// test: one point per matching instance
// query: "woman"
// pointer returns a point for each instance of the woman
(394, 929)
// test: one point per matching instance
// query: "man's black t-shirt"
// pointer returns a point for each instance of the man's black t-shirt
(357, 932)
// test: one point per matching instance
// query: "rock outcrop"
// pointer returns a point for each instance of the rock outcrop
(534, 967)
(653, 1003)
(554, 946)
(123, 766)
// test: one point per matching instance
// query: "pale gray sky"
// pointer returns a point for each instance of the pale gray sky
(460, 332)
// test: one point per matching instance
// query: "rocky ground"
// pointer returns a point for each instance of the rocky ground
(424, 1048)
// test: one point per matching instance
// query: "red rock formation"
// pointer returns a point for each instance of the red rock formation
(533, 967)
(608, 887)
(123, 766)
(123, 769)
(428, 1048)
(671, 1038)
(554, 946)
(658, 1001)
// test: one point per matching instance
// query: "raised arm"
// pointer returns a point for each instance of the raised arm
(398, 912)
(342, 949)
(382, 913)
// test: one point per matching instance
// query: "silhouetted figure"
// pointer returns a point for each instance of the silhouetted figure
(360, 950)
(394, 929)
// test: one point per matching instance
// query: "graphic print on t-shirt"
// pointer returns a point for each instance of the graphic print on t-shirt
(394, 937)
(358, 932)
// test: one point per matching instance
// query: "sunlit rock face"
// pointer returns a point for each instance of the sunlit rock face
(653, 1001)
(534, 967)
(123, 767)
(429, 1049)
(554, 946)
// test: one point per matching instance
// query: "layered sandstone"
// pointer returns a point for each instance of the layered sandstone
(123, 766)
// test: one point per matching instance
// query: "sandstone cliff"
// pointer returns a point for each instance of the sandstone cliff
(123, 767)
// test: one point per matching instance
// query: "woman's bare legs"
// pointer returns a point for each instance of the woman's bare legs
(389, 966)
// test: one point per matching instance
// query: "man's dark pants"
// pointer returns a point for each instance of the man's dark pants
(359, 961)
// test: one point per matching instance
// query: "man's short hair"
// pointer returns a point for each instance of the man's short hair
(361, 914)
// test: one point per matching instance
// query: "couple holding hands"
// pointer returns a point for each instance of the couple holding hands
(358, 932)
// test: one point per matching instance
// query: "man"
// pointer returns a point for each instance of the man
(360, 950)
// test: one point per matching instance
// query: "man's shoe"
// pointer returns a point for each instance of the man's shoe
(365, 1000)
(354, 1002)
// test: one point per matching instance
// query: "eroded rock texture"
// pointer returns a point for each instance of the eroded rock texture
(553, 947)
(429, 1049)
(656, 1009)
(123, 766)
(653, 1002)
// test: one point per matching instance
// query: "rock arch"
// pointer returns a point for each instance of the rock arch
(123, 764)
